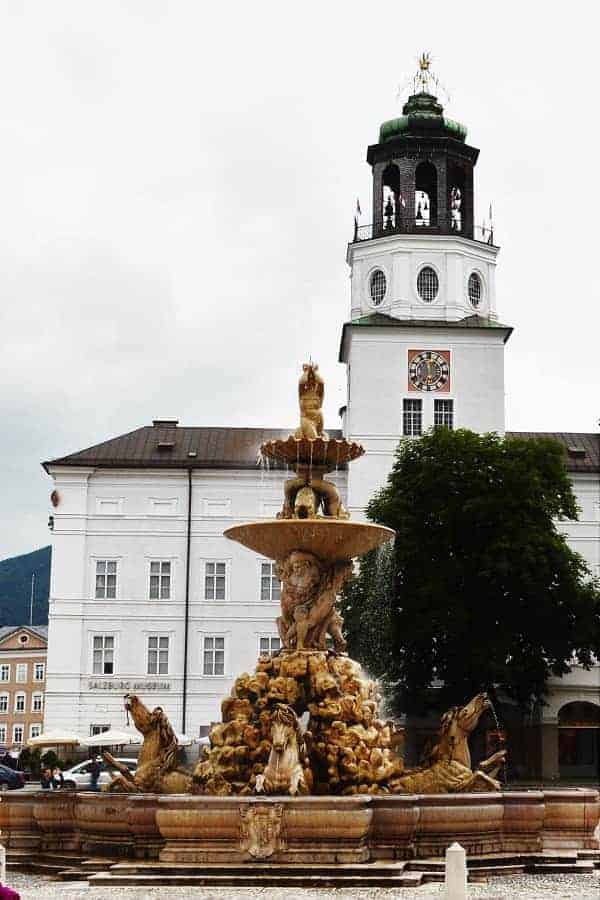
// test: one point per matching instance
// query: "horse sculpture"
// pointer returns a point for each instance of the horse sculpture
(157, 770)
(448, 768)
(288, 769)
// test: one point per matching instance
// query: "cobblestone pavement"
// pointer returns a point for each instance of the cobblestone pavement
(526, 887)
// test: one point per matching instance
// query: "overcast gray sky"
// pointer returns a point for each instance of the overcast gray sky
(177, 188)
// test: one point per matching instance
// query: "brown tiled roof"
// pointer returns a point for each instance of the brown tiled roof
(170, 447)
(582, 451)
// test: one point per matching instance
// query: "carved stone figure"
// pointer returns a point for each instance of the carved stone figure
(157, 770)
(311, 390)
(261, 833)
(308, 592)
(448, 768)
(308, 493)
(288, 769)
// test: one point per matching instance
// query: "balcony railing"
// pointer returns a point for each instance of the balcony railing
(479, 233)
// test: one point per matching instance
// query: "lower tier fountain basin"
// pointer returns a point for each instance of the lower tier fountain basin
(185, 828)
(332, 540)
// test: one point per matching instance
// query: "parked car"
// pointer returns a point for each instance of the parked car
(10, 780)
(79, 779)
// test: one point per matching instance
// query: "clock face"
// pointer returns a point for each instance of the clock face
(429, 370)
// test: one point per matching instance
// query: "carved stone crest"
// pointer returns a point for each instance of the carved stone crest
(261, 832)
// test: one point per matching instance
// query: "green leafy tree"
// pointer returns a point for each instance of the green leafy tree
(480, 589)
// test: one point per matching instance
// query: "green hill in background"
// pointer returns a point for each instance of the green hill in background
(15, 588)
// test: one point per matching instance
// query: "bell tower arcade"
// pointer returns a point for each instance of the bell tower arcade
(423, 346)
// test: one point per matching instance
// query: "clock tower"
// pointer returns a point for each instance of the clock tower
(423, 346)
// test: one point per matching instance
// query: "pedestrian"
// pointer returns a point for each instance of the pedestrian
(95, 770)
(58, 780)
(46, 781)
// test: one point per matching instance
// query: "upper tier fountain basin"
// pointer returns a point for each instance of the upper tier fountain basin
(329, 539)
(318, 453)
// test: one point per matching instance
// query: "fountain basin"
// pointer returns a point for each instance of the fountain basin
(295, 830)
(325, 455)
(303, 830)
(330, 539)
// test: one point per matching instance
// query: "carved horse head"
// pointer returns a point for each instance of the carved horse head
(285, 727)
(456, 726)
(155, 727)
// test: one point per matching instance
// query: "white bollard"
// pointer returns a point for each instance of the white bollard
(456, 873)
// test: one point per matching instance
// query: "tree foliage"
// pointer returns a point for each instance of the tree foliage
(480, 589)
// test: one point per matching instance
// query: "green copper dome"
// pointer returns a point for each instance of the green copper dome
(422, 113)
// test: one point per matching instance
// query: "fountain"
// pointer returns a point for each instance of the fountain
(346, 747)
(302, 770)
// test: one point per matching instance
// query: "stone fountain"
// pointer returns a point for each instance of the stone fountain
(302, 770)
(346, 748)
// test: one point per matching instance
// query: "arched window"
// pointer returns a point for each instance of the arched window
(579, 714)
(426, 195)
(428, 284)
(579, 740)
(377, 287)
(475, 289)
(392, 200)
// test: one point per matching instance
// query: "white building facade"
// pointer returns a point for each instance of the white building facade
(148, 596)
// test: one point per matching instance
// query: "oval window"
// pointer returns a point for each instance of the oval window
(428, 284)
(475, 289)
(377, 286)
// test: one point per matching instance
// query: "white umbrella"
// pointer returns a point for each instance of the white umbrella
(184, 740)
(114, 737)
(56, 738)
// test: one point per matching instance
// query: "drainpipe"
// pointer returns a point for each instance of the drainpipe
(187, 601)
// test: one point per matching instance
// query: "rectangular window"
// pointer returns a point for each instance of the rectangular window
(21, 673)
(412, 418)
(3, 703)
(39, 672)
(2, 734)
(214, 655)
(204, 731)
(215, 581)
(98, 729)
(19, 702)
(5, 672)
(158, 655)
(443, 413)
(103, 654)
(270, 587)
(106, 579)
(37, 702)
(109, 506)
(35, 730)
(217, 508)
(163, 507)
(269, 645)
(18, 731)
(160, 580)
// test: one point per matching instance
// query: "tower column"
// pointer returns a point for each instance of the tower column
(407, 169)
(378, 198)
(443, 205)
(468, 205)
